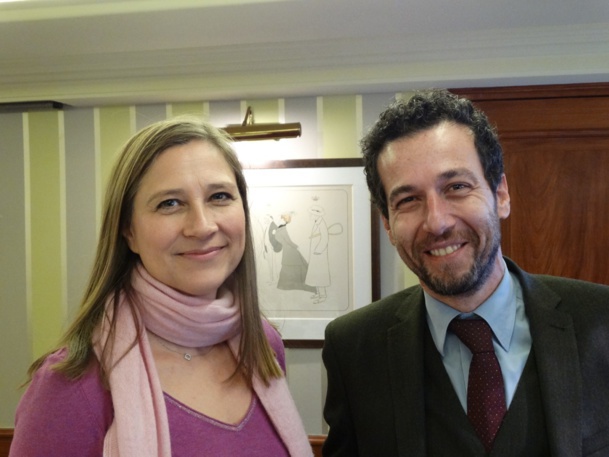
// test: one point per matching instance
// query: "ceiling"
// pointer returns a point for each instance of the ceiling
(86, 52)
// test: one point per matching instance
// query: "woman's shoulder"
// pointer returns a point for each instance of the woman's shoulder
(275, 341)
(61, 410)
(272, 334)
(48, 379)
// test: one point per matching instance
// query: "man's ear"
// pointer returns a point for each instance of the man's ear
(388, 229)
(503, 198)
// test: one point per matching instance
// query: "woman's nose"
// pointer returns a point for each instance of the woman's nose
(200, 222)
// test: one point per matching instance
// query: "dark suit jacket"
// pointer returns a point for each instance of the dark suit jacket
(374, 359)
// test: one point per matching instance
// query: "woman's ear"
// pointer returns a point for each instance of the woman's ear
(130, 239)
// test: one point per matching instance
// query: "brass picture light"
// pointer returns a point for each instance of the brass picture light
(248, 130)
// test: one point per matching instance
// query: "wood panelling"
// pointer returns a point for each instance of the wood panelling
(552, 91)
(560, 211)
(317, 442)
(556, 146)
(6, 436)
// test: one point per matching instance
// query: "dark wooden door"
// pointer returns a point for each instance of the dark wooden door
(556, 147)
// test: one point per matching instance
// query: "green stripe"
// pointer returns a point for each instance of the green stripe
(198, 109)
(15, 340)
(265, 111)
(47, 219)
(116, 125)
(340, 127)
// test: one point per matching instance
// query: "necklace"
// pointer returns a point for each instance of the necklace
(187, 355)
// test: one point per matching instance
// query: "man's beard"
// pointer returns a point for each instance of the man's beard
(449, 283)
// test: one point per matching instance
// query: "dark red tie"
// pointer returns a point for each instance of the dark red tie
(485, 392)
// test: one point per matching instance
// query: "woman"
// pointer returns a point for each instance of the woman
(169, 354)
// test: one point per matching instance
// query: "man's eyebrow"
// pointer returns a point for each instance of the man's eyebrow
(445, 176)
(400, 190)
(459, 172)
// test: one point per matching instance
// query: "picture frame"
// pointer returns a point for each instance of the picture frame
(316, 240)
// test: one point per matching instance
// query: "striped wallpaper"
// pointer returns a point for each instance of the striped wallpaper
(54, 165)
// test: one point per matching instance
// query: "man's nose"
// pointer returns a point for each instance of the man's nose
(438, 217)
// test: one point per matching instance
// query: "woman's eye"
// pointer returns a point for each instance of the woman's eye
(171, 203)
(221, 196)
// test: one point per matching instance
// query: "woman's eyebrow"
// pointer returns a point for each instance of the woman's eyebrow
(162, 194)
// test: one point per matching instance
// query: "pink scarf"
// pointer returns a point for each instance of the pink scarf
(140, 425)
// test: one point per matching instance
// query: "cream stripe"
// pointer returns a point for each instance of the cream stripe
(359, 117)
(320, 126)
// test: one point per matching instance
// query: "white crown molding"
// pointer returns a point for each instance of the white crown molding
(85, 61)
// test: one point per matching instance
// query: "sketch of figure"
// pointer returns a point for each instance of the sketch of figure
(318, 273)
(270, 245)
(293, 264)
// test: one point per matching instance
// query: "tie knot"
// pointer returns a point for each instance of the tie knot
(476, 334)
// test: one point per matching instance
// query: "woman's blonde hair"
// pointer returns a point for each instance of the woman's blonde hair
(114, 261)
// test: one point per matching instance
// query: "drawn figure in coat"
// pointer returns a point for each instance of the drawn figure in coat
(269, 246)
(318, 273)
(293, 264)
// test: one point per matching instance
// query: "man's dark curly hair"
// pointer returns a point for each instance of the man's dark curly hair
(425, 110)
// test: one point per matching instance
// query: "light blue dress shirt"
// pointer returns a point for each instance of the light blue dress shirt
(504, 312)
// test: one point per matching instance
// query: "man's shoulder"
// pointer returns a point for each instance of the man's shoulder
(572, 295)
(565, 287)
(557, 283)
(563, 284)
(376, 314)
(578, 297)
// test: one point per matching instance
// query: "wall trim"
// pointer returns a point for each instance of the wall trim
(6, 436)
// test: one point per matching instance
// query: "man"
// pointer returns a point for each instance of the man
(399, 379)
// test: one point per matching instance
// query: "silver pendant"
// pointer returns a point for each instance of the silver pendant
(187, 356)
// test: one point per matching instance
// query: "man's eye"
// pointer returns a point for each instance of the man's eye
(405, 201)
(458, 186)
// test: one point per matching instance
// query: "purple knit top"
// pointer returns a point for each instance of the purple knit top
(61, 417)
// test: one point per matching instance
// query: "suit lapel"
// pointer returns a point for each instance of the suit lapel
(405, 352)
(557, 365)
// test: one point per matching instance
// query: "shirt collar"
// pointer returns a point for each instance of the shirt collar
(499, 311)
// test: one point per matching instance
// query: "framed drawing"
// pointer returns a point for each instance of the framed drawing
(316, 243)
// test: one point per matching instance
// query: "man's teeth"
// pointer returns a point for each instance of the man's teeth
(444, 251)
